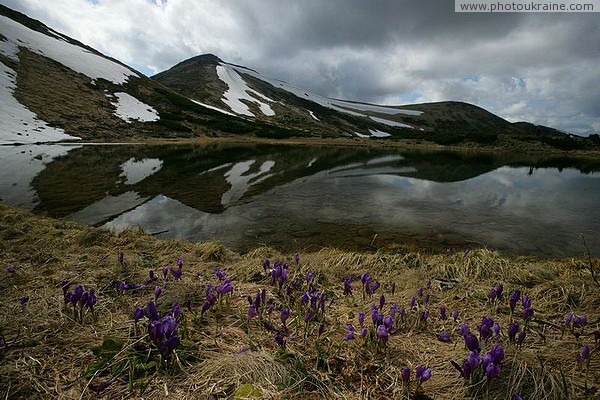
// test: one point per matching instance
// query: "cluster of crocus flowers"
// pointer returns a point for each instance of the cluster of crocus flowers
(79, 298)
(369, 286)
(162, 330)
(218, 292)
(422, 375)
(122, 286)
(496, 292)
(576, 323)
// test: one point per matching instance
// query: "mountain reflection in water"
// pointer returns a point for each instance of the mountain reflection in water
(294, 197)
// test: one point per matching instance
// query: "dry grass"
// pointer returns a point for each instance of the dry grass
(47, 351)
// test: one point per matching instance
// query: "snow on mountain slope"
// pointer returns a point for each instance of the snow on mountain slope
(75, 57)
(238, 90)
(130, 109)
(348, 107)
(18, 124)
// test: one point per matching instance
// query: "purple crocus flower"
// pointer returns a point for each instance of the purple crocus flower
(472, 343)
(65, 285)
(279, 339)
(165, 272)
(381, 301)
(321, 329)
(388, 322)
(569, 318)
(157, 292)
(420, 292)
(496, 329)
(348, 286)
(77, 293)
(382, 333)
(252, 312)
(308, 316)
(138, 313)
(526, 302)
(527, 313)
(584, 354)
(443, 312)
(349, 332)
(493, 294)
(297, 258)
(425, 315)
(176, 272)
(499, 290)
(497, 353)
(463, 330)
(102, 386)
(151, 311)
(521, 337)
(176, 310)
(309, 277)
(579, 321)
(285, 314)
(10, 269)
(24, 299)
(405, 373)
(513, 329)
(492, 370)
(361, 318)
(266, 264)
(455, 316)
(515, 296)
(412, 302)
(402, 313)
(220, 274)
(445, 337)
(179, 262)
(422, 373)
(516, 396)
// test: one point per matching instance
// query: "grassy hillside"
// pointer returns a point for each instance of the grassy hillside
(228, 351)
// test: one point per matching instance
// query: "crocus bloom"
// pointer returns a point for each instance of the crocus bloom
(138, 313)
(492, 370)
(151, 311)
(382, 333)
(285, 314)
(496, 329)
(472, 343)
(179, 262)
(493, 294)
(388, 322)
(157, 292)
(266, 264)
(348, 286)
(405, 373)
(363, 332)
(527, 313)
(65, 285)
(513, 329)
(361, 318)
(515, 295)
(445, 337)
(455, 316)
(10, 269)
(297, 257)
(463, 330)
(497, 353)
(165, 272)
(176, 310)
(521, 337)
(517, 396)
(309, 277)
(412, 301)
(579, 321)
(381, 301)
(420, 292)
(526, 302)
(24, 299)
(102, 386)
(443, 312)
(584, 354)
(252, 312)
(321, 329)
(422, 373)
(176, 272)
(499, 290)
(220, 274)
(425, 315)
(569, 318)
(349, 332)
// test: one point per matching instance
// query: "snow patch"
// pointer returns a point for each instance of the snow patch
(75, 57)
(20, 165)
(390, 123)
(238, 90)
(240, 181)
(348, 107)
(312, 114)
(136, 171)
(130, 109)
(17, 123)
(213, 107)
(377, 133)
(361, 135)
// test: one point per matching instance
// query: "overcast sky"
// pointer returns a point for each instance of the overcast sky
(538, 67)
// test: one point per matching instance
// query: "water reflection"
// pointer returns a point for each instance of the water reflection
(301, 196)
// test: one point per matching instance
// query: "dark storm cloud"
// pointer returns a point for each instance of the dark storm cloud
(538, 67)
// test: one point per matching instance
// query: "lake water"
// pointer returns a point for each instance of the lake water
(309, 197)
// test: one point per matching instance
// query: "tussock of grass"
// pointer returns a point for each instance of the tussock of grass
(48, 351)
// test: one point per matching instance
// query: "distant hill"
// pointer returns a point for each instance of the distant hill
(55, 88)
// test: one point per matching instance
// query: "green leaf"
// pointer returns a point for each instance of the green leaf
(245, 391)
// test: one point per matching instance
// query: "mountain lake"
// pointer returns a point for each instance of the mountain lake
(308, 197)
